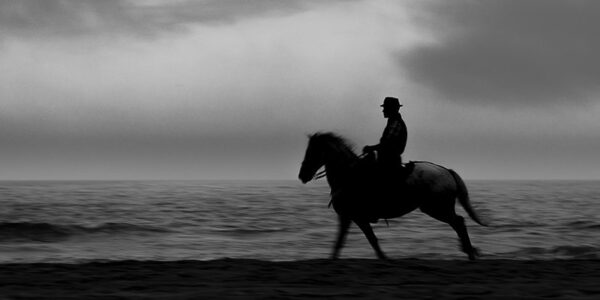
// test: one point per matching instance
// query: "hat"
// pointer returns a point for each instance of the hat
(391, 102)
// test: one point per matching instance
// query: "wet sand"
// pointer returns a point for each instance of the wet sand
(341, 279)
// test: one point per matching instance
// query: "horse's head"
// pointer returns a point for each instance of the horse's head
(321, 147)
(314, 158)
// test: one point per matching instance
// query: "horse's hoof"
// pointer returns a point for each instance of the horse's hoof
(383, 257)
(473, 254)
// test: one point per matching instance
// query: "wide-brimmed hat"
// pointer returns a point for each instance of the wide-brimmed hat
(391, 102)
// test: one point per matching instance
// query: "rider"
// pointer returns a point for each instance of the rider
(393, 141)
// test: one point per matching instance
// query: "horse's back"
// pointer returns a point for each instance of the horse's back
(430, 177)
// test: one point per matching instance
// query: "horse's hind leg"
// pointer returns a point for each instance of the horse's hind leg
(368, 231)
(458, 224)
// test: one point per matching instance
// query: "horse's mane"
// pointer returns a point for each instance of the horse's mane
(334, 138)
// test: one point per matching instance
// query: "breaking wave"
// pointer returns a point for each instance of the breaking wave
(46, 232)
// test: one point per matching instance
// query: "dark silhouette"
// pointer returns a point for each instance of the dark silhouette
(357, 195)
(392, 143)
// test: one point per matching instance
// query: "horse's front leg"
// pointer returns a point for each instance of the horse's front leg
(342, 232)
(368, 231)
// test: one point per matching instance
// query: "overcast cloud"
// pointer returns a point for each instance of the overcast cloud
(141, 18)
(509, 53)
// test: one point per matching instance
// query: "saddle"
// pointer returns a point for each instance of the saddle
(370, 171)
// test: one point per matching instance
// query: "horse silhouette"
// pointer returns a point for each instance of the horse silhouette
(360, 196)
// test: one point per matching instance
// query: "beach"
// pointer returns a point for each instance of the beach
(320, 278)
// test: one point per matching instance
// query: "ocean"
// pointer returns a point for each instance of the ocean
(78, 221)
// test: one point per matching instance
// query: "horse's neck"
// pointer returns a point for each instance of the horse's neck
(338, 170)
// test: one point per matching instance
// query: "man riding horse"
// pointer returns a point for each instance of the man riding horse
(359, 197)
(392, 142)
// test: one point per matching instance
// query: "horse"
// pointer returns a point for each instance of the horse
(355, 198)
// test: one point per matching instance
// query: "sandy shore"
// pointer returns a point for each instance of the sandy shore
(344, 279)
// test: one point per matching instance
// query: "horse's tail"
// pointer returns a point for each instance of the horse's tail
(463, 198)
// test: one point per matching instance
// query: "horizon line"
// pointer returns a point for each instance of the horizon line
(276, 179)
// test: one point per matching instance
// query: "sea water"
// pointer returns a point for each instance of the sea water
(76, 221)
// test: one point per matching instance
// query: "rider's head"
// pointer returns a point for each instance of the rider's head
(390, 106)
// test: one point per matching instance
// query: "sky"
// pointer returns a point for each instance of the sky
(229, 89)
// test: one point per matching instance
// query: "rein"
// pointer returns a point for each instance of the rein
(323, 173)
(320, 175)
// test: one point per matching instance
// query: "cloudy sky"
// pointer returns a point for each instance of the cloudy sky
(228, 89)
